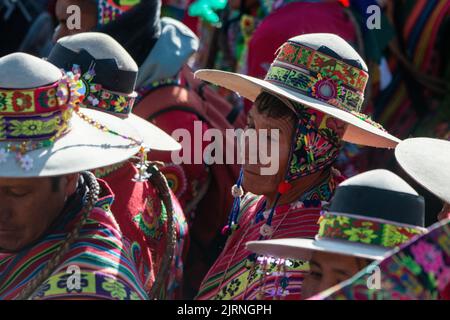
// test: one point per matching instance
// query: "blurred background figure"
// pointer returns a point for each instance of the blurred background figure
(25, 26)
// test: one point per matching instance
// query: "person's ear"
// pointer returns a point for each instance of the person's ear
(445, 212)
(71, 183)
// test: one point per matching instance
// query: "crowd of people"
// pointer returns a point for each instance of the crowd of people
(93, 204)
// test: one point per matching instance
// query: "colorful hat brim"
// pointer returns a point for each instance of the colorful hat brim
(153, 137)
(427, 161)
(84, 147)
(302, 249)
(358, 132)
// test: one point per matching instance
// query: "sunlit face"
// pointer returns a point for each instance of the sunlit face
(263, 184)
(28, 206)
(254, 181)
(329, 269)
(88, 17)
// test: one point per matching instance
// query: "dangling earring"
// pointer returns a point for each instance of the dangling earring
(237, 192)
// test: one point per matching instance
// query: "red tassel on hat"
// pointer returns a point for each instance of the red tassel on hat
(284, 187)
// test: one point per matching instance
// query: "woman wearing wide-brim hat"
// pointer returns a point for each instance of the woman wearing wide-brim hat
(312, 93)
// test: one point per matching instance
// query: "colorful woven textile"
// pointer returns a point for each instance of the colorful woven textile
(420, 269)
(231, 276)
(356, 228)
(142, 218)
(110, 10)
(108, 265)
(399, 106)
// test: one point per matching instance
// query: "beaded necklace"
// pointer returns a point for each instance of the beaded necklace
(310, 199)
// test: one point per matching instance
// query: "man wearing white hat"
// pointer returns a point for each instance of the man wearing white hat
(58, 238)
(109, 76)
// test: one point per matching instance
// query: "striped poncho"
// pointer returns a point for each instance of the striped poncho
(100, 264)
(142, 218)
(232, 277)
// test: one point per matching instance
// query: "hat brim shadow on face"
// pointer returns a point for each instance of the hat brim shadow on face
(358, 131)
(302, 249)
(427, 161)
(84, 147)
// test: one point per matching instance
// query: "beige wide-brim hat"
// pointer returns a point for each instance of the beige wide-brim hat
(116, 67)
(84, 147)
(358, 131)
(152, 136)
(427, 161)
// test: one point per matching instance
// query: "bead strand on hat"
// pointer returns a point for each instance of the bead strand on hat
(143, 163)
(93, 95)
(104, 128)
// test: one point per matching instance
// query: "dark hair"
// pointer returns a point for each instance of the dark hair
(271, 106)
(55, 182)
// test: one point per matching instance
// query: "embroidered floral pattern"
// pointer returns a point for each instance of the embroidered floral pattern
(428, 256)
(419, 270)
(99, 98)
(21, 101)
(316, 145)
(365, 231)
(115, 288)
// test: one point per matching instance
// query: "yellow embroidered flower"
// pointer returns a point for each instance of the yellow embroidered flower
(120, 104)
(360, 235)
(392, 237)
(342, 220)
(325, 220)
(27, 128)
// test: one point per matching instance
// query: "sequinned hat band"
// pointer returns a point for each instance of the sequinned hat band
(96, 97)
